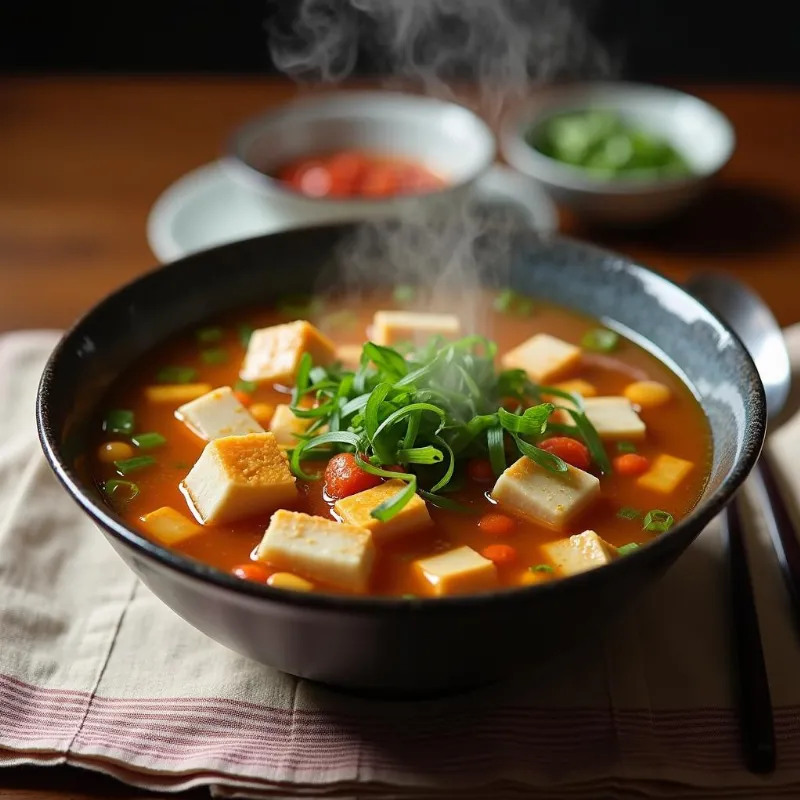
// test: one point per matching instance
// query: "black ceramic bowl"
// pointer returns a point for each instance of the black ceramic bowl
(376, 644)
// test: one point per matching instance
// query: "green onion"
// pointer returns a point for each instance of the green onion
(541, 568)
(403, 295)
(626, 512)
(248, 387)
(245, 332)
(216, 355)
(209, 335)
(508, 301)
(176, 375)
(601, 340)
(626, 447)
(129, 465)
(624, 549)
(181, 465)
(119, 420)
(120, 491)
(148, 441)
(657, 521)
(300, 305)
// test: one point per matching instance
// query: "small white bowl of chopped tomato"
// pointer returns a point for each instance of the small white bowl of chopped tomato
(343, 156)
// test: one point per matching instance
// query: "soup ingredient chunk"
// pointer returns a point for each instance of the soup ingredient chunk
(665, 474)
(293, 583)
(575, 386)
(357, 509)
(273, 354)
(614, 418)
(647, 394)
(344, 477)
(109, 452)
(570, 450)
(458, 571)
(216, 414)
(330, 552)
(176, 393)
(239, 476)
(169, 526)
(391, 327)
(580, 553)
(553, 498)
(286, 426)
(631, 464)
(543, 357)
(349, 355)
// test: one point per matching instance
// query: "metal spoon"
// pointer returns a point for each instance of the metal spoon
(760, 333)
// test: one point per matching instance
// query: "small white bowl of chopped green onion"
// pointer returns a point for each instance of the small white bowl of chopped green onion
(619, 152)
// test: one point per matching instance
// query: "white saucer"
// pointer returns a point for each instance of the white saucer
(206, 208)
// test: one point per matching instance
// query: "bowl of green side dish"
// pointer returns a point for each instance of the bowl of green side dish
(620, 153)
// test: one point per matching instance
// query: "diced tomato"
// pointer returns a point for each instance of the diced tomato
(346, 170)
(344, 477)
(379, 181)
(572, 451)
(496, 524)
(500, 553)
(630, 465)
(480, 470)
(252, 571)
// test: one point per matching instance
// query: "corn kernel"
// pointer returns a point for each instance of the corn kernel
(529, 577)
(262, 413)
(577, 386)
(285, 580)
(647, 394)
(110, 452)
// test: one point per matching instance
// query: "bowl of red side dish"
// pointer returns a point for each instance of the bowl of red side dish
(391, 490)
(354, 155)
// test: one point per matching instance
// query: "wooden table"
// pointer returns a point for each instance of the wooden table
(82, 160)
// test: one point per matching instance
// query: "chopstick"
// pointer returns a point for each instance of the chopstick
(756, 724)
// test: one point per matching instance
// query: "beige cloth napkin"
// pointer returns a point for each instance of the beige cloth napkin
(96, 672)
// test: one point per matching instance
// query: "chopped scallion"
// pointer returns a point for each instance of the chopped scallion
(626, 512)
(119, 420)
(600, 340)
(245, 332)
(626, 447)
(624, 549)
(120, 491)
(209, 335)
(403, 295)
(508, 301)
(128, 465)
(541, 568)
(215, 355)
(657, 521)
(176, 374)
(148, 441)
(248, 387)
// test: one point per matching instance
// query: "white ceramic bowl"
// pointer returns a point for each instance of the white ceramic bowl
(445, 137)
(701, 133)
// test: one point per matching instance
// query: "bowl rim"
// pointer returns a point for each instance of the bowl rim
(188, 568)
(554, 100)
(235, 163)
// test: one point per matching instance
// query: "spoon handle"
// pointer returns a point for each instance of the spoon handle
(752, 684)
(781, 530)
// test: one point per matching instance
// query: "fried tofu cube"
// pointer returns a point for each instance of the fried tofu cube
(614, 418)
(285, 425)
(543, 357)
(273, 354)
(349, 355)
(216, 414)
(239, 476)
(169, 526)
(320, 549)
(580, 553)
(665, 474)
(176, 393)
(552, 498)
(458, 571)
(356, 510)
(391, 327)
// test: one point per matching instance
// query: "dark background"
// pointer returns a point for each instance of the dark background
(669, 40)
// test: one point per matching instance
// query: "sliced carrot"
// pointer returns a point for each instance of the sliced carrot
(243, 397)
(480, 470)
(630, 465)
(500, 553)
(572, 451)
(496, 524)
(252, 571)
(344, 477)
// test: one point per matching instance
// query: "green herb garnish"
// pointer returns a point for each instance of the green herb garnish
(209, 335)
(128, 465)
(176, 375)
(245, 332)
(626, 447)
(403, 295)
(657, 521)
(626, 512)
(119, 420)
(600, 340)
(541, 568)
(508, 301)
(120, 491)
(148, 441)
(624, 549)
(248, 387)
(300, 305)
(216, 355)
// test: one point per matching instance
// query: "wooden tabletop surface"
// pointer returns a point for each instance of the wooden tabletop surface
(82, 160)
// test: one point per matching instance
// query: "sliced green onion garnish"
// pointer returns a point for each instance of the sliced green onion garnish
(601, 340)
(508, 301)
(119, 420)
(176, 374)
(148, 441)
(128, 465)
(209, 335)
(626, 512)
(248, 387)
(216, 355)
(627, 548)
(245, 332)
(120, 491)
(541, 568)
(404, 294)
(626, 447)
(657, 521)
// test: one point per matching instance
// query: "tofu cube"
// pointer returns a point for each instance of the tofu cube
(349, 355)
(356, 510)
(273, 354)
(665, 474)
(552, 498)
(239, 476)
(543, 357)
(580, 553)
(391, 327)
(459, 571)
(285, 425)
(614, 418)
(176, 393)
(216, 414)
(169, 526)
(320, 549)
